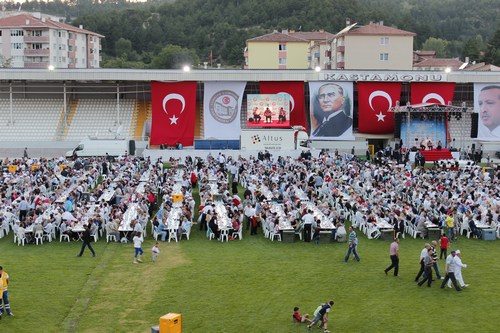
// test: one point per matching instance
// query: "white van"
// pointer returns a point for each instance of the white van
(101, 147)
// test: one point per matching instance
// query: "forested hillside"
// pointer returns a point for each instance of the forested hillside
(166, 33)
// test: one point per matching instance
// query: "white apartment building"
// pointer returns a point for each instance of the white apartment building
(373, 46)
(32, 41)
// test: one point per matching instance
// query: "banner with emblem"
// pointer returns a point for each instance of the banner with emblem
(173, 106)
(222, 107)
(331, 113)
(295, 91)
(374, 100)
(425, 92)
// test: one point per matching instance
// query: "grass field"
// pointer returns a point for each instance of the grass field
(242, 286)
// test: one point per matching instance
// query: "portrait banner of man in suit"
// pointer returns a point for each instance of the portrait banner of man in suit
(331, 110)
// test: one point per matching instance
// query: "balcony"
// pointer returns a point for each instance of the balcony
(36, 39)
(72, 42)
(340, 64)
(328, 54)
(42, 52)
(316, 55)
(340, 48)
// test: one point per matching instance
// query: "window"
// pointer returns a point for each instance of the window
(0, 33)
(384, 56)
(282, 47)
(37, 33)
(282, 61)
(36, 46)
(16, 46)
(384, 40)
(17, 33)
(62, 47)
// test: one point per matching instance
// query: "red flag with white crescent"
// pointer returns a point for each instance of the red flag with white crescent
(374, 101)
(295, 89)
(433, 92)
(173, 113)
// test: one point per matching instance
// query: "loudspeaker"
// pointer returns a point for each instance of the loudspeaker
(474, 125)
(131, 147)
(397, 125)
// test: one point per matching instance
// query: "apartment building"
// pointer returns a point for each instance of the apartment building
(33, 41)
(373, 46)
(288, 49)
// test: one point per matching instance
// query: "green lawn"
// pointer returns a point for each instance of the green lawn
(242, 286)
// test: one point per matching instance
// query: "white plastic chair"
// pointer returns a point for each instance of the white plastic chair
(39, 237)
(239, 233)
(21, 239)
(172, 234)
(224, 235)
(186, 233)
(110, 237)
(64, 236)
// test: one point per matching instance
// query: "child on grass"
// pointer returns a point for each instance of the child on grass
(155, 250)
(138, 239)
(298, 318)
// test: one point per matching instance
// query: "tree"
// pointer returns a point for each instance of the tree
(5, 62)
(473, 48)
(492, 54)
(436, 44)
(174, 56)
(123, 48)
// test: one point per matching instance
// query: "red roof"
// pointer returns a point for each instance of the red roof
(439, 62)
(378, 29)
(20, 21)
(313, 35)
(276, 37)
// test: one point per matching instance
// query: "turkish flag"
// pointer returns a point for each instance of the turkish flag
(174, 111)
(434, 92)
(374, 100)
(295, 90)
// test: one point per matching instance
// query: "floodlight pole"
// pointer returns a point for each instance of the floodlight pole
(10, 101)
(118, 104)
(65, 105)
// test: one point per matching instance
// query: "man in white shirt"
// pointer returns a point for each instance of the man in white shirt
(450, 271)
(423, 254)
(307, 221)
(458, 270)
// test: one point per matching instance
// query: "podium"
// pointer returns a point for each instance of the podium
(171, 323)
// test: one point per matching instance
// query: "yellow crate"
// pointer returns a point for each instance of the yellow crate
(171, 323)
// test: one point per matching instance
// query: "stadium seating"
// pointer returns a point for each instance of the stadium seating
(34, 119)
(98, 118)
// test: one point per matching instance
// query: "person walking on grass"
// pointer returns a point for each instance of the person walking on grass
(444, 244)
(423, 253)
(86, 238)
(138, 239)
(353, 243)
(322, 315)
(435, 260)
(450, 271)
(394, 255)
(155, 250)
(428, 263)
(4, 294)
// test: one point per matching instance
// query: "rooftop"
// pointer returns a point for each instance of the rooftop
(29, 21)
(377, 29)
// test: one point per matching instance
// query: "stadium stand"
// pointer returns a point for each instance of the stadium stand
(33, 119)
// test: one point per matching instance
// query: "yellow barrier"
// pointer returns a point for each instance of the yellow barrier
(12, 168)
